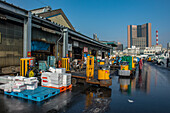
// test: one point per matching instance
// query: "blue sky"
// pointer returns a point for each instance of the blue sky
(109, 18)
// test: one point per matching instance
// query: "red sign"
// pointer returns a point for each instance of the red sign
(85, 49)
(28, 54)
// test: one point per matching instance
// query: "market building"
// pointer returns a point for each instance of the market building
(24, 33)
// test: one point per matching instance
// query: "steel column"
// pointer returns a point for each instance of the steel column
(65, 42)
(29, 31)
(57, 46)
(27, 35)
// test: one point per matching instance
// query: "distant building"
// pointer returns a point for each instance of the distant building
(134, 51)
(110, 43)
(119, 47)
(168, 46)
(139, 36)
(95, 37)
(156, 49)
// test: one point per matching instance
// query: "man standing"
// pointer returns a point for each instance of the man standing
(143, 60)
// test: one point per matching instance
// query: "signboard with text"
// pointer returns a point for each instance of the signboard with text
(85, 49)
(69, 47)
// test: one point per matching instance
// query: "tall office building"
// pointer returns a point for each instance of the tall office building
(139, 36)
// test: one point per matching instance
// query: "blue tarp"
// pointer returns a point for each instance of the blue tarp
(36, 45)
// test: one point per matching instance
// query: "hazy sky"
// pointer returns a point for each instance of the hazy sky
(109, 18)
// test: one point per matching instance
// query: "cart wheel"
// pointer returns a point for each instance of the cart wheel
(74, 81)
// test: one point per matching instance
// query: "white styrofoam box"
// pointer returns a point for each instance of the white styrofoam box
(53, 76)
(60, 70)
(21, 88)
(18, 90)
(45, 84)
(45, 74)
(51, 81)
(19, 82)
(66, 79)
(12, 82)
(8, 90)
(8, 85)
(52, 69)
(32, 86)
(56, 85)
(18, 86)
(19, 78)
(2, 86)
(5, 79)
(11, 78)
(30, 79)
(56, 76)
(31, 82)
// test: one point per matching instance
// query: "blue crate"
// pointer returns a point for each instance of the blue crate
(39, 94)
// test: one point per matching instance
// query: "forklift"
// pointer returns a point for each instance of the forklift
(27, 67)
(127, 66)
(103, 79)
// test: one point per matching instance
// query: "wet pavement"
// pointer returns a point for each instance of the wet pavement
(145, 92)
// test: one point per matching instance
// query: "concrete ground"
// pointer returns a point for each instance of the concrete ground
(145, 92)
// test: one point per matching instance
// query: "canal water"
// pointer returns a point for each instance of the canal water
(146, 92)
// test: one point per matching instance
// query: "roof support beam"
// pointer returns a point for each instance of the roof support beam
(88, 39)
(13, 9)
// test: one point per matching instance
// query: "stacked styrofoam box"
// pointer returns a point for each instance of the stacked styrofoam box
(31, 83)
(9, 83)
(51, 79)
(60, 70)
(6, 79)
(19, 84)
(53, 70)
(8, 87)
(66, 79)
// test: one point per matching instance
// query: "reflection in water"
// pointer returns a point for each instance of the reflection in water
(127, 84)
(97, 99)
(140, 82)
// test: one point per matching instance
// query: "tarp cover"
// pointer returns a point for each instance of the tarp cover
(37, 45)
